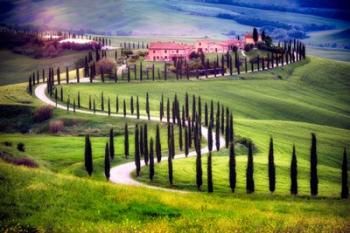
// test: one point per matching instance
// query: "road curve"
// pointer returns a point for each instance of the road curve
(121, 174)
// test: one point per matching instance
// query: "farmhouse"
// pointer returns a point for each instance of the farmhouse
(211, 46)
(248, 39)
(168, 51)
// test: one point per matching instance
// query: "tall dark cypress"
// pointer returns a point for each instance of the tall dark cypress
(272, 169)
(161, 108)
(111, 143)
(151, 160)
(132, 105)
(109, 106)
(102, 102)
(187, 145)
(88, 155)
(158, 145)
(206, 114)
(137, 107)
(217, 134)
(147, 106)
(210, 174)
(78, 99)
(170, 168)
(294, 173)
(232, 132)
(137, 152)
(107, 162)
(124, 108)
(313, 166)
(126, 141)
(145, 143)
(180, 137)
(199, 171)
(344, 177)
(187, 105)
(232, 167)
(210, 138)
(117, 104)
(168, 111)
(250, 187)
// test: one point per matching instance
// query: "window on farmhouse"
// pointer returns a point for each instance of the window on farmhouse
(177, 51)
(165, 51)
(154, 51)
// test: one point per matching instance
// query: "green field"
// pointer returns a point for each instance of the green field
(16, 68)
(287, 103)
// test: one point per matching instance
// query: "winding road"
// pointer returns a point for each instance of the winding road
(121, 174)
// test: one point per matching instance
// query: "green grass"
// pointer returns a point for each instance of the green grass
(17, 68)
(33, 199)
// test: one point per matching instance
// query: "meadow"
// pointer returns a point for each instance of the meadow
(287, 103)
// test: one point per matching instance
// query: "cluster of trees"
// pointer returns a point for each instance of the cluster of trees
(134, 45)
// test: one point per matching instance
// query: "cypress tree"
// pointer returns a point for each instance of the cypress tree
(232, 167)
(68, 103)
(186, 142)
(313, 166)
(222, 119)
(158, 145)
(111, 143)
(210, 138)
(165, 72)
(151, 160)
(141, 73)
(170, 168)
(107, 162)
(126, 141)
(74, 105)
(137, 152)
(206, 114)
(141, 138)
(88, 155)
(124, 108)
(132, 105)
(161, 108)
(90, 104)
(294, 173)
(78, 74)
(187, 105)
(231, 129)
(168, 111)
(147, 106)
(199, 172)
(271, 167)
(137, 108)
(250, 187)
(61, 95)
(210, 174)
(145, 143)
(94, 106)
(56, 97)
(180, 137)
(217, 134)
(344, 177)
(102, 102)
(78, 99)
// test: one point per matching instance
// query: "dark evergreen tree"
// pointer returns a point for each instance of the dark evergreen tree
(271, 167)
(168, 111)
(217, 134)
(313, 167)
(137, 107)
(107, 162)
(294, 173)
(147, 106)
(180, 137)
(255, 35)
(117, 104)
(145, 143)
(77, 74)
(78, 99)
(170, 168)
(344, 177)
(199, 172)
(124, 108)
(137, 152)
(187, 105)
(94, 106)
(132, 105)
(250, 187)
(187, 144)
(161, 108)
(88, 155)
(30, 86)
(210, 138)
(126, 141)
(151, 160)
(158, 145)
(111, 143)
(210, 174)
(56, 96)
(232, 167)
(102, 102)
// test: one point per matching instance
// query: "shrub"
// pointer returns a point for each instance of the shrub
(43, 113)
(21, 147)
(18, 161)
(105, 65)
(7, 143)
(56, 126)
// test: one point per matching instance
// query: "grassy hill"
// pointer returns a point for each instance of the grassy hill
(287, 103)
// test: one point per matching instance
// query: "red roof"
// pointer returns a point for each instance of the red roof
(169, 45)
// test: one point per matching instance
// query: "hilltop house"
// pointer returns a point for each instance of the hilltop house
(248, 39)
(211, 46)
(168, 51)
